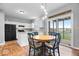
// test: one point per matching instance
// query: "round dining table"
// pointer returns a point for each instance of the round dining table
(43, 39)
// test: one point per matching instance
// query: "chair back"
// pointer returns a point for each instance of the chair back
(30, 39)
(53, 33)
(57, 39)
(35, 33)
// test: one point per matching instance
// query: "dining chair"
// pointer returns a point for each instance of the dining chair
(35, 33)
(54, 44)
(33, 45)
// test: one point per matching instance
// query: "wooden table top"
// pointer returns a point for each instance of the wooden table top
(43, 37)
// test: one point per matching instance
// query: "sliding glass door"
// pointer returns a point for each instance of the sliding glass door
(52, 25)
(63, 26)
(67, 31)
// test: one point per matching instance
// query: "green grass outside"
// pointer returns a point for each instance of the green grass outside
(67, 36)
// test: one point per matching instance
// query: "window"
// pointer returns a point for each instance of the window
(51, 26)
(54, 26)
(62, 23)
(63, 26)
(67, 29)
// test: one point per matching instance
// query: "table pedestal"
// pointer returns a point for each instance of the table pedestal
(43, 51)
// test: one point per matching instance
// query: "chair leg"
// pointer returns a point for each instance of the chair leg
(34, 52)
(50, 53)
(58, 52)
(29, 51)
(54, 52)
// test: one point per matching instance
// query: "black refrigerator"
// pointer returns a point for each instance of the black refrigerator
(10, 32)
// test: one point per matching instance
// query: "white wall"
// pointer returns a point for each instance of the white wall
(76, 25)
(2, 37)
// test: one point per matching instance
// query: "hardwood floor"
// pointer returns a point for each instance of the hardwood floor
(11, 48)
(65, 51)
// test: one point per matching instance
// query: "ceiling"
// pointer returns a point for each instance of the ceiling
(31, 10)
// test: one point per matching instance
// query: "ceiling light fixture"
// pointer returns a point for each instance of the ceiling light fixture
(45, 11)
(42, 6)
(20, 11)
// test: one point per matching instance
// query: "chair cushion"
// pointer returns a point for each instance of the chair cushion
(38, 44)
(50, 44)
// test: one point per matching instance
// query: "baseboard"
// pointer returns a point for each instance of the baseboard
(2, 43)
(75, 48)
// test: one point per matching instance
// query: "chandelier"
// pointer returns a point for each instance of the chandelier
(43, 7)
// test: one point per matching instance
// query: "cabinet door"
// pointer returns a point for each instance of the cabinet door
(10, 32)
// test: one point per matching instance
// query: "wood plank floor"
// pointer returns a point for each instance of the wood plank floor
(11, 48)
(65, 51)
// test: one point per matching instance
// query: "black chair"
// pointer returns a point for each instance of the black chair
(35, 33)
(33, 44)
(54, 45)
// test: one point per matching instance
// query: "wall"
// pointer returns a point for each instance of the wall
(22, 38)
(2, 41)
(76, 25)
